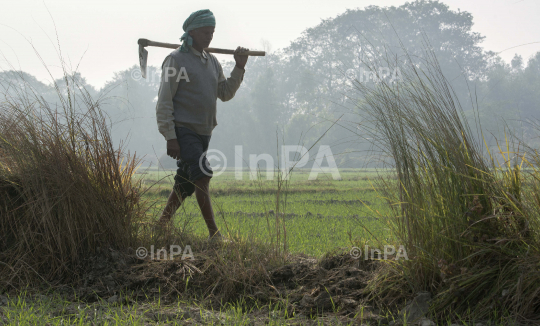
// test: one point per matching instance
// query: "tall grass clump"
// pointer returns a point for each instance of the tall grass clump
(65, 190)
(467, 216)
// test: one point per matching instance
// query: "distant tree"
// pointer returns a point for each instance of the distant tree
(335, 45)
(509, 98)
(14, 79)
(78, 81)
(318, 66)
(517, 62)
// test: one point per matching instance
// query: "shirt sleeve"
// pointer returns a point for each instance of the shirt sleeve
(227, 87)
(167, 90)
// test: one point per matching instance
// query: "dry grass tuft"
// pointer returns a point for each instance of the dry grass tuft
(64, 189)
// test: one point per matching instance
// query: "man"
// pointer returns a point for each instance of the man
(191, 82)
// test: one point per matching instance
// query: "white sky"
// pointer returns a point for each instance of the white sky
(102, 36)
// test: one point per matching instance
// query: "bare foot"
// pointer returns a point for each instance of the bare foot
(217, 238)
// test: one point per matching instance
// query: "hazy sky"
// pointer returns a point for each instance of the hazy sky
(101, 36)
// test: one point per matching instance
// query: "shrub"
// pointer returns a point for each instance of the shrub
(64, 189)
(469, 223)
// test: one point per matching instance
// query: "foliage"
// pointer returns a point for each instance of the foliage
(470, 222)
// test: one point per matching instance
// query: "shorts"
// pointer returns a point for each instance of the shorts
(192, 164)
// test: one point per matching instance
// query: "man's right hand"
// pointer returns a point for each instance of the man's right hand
(173, 149)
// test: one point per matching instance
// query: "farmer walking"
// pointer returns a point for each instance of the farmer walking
(191, 82)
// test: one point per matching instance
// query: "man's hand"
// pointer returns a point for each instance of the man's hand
(173, 149)
(241, 60)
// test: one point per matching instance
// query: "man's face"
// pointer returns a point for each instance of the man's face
(202, 36)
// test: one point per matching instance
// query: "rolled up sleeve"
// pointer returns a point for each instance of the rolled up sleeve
(227, 87)
(164, 106)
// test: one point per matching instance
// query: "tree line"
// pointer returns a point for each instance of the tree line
(297, 94)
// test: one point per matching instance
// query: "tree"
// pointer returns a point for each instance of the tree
(336, 45)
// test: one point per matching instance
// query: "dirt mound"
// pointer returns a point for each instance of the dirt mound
(125, 277)
(304, 285)
(335, 284)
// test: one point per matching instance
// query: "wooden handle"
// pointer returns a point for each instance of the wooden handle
(225, 51)
(145, 42)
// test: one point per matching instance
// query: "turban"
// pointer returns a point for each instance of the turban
(199, 18)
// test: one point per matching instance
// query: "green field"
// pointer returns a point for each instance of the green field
(320, 215)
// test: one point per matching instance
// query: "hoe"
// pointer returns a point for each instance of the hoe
(143, 54)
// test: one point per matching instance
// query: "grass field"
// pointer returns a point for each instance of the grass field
(320, 215)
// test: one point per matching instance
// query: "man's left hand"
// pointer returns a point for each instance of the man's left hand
(241, 60)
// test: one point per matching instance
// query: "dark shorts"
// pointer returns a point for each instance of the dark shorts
(193, 164)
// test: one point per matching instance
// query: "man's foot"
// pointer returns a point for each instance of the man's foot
(163, 221)
(218, 239)
(161, 224)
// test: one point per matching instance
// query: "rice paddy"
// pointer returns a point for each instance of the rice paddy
(320, 215)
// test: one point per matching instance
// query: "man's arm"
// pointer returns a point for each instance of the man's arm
(227, 87)
(164, 106)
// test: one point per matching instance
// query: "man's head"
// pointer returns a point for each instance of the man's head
(202, 36)
(199, 25)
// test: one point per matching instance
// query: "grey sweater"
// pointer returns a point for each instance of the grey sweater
(191, 82)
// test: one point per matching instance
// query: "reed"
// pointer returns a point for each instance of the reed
(467, 216)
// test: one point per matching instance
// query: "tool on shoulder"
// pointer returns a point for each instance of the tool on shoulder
(143, 53)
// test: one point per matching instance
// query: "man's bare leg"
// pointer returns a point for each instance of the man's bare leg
(173, 203)
(202, 187)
